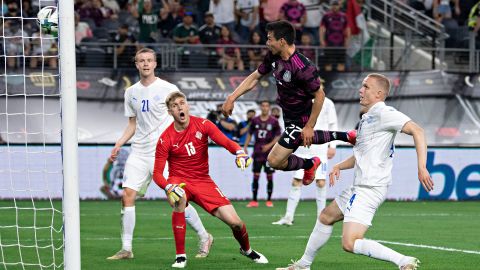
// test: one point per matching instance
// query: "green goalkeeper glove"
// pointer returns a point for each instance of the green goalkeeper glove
(242, 160)
(175, 192)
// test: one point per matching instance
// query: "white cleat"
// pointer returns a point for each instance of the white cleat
(180, 262)
(294, 266)
(283, 221)
(204, 247)
(121, 255)
(255, 256)
(411, 263)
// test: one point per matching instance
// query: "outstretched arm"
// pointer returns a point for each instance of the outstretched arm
(127, 135)
(344, 165)
(411, 128)
(247, 85)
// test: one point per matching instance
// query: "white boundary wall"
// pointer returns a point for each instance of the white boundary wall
(456, 173)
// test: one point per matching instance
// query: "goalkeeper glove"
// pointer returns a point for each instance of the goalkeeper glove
(242, 160)
(175, 192)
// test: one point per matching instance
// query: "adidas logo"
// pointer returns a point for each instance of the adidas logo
(287, 140)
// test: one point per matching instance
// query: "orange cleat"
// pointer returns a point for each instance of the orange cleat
(309, 175)
(269, 203)
(252, 204)
(352, 136)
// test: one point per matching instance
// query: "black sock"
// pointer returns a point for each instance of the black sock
(307, 164)
(255, 186)
(269, 186)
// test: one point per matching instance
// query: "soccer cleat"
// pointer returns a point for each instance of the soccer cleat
(121, 255)
(252, 204)
(294, 266)
(204, 247)
(309, 175)
(352, 136)
(283, 221)
(180, 262)
(255, 256)
(412, 264)
(269, 204)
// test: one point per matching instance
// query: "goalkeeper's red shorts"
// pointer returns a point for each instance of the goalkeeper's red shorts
(203, 192)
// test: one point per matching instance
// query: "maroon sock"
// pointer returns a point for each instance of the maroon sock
(242, 238)
(297, 163)
(324, 136)
(179, 231)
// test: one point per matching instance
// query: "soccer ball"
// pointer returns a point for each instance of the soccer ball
(48, 20)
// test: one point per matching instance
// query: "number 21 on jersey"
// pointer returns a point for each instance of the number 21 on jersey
(145, 105)
(190, 149)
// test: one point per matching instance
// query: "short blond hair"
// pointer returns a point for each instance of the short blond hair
(382, 81)
(146, 50)
(174, 95)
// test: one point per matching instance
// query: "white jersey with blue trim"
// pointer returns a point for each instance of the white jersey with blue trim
(375, 145)
(147, 104)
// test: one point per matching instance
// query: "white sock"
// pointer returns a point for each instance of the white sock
(376, 250)
(128, 225)
(321, 196)
(318, 238)
(193, 219)
(293, 199)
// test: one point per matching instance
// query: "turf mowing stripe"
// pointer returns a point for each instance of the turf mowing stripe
(278, 237)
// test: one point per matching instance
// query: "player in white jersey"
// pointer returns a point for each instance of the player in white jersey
(147, 118)
(372, 162)
(327, 120)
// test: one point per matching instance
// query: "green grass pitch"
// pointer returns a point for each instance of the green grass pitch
(443, 235)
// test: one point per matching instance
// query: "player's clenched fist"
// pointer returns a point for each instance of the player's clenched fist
(242, 160)
(175, 192)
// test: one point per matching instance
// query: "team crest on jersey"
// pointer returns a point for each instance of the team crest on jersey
(287, 76)
(269, 127)
(198, 135)
(156, 97)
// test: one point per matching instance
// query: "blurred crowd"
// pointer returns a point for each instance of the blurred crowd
(132, 23)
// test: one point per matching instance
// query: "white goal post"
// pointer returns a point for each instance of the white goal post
(68, 91)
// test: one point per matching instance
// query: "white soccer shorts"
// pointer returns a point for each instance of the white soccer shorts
(321, 172)
(138, 172)
(359, 203)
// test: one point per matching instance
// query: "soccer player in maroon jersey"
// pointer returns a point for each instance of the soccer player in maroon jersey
(184, 144)
(300, 95)
(266, 130)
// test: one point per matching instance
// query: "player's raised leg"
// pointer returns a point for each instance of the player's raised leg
(228, 215)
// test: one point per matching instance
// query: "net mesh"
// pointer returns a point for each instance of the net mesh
(31, 221)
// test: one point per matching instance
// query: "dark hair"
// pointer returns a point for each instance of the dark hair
(251, 110)
(282, 29)
(264, 101)
(253, 33)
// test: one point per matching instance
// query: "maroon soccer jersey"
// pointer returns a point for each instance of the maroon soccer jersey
(264, 132)
(297, 80)
(187, 151)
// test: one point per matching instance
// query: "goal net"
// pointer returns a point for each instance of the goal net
(32, 164)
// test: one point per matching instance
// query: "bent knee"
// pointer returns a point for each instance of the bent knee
(321, 183)
(347, 245)
(274, 162)
(326, 219)
(236, 225)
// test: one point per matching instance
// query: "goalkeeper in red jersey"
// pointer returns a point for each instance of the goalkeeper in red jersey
(184, 144)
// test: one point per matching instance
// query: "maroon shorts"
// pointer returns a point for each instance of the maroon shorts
(203, 192)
